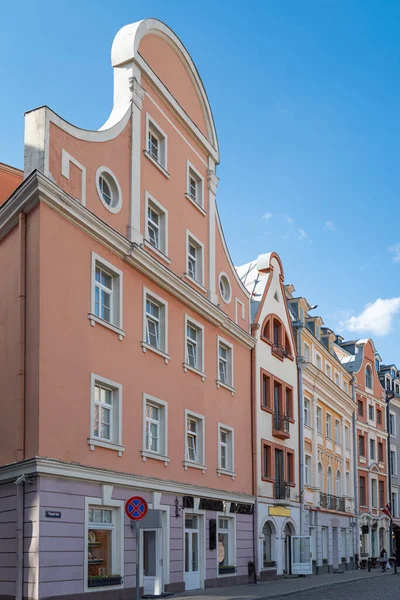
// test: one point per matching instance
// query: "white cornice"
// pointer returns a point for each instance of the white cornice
(57, 468)
(327, 389)
(38, 188)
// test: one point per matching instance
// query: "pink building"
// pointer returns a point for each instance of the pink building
(125, 351)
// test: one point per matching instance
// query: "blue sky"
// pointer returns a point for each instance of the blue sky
(305, 96)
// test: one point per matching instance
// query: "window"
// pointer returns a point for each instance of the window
(368, 377)
(268, 544)
(329, 479)
(318, 361)
(371, 412)
(360, 408)
(337, 431)
(380, 452)
(194, 440)
(157, 144)
(348, 489)
(289, 402)
(320, 477)
(106, 414)
(306, 352)
(319, 419)
(308, 470)
(328, 426)
(377, 365)
(379, 416)
(194, 258)
(225, 450)
(343, 552)
(225, 288)
(155, 324)
(337, 379)
(194, 345)
(361, 445)
(225, 363)
(325, 545)
(381, 494)
(394, 506)
(266, 391)
(266, 461)
(226, 556)
(155, 429)
(277, 332)
(374, 493)
(290, 467)
(307, 412)
(345, 387)
(362, 491)
(393, 462)
(372, 449)
(156, 225)
(338, 484)
(104, 552)
(392, 424)
(195, 186)
(106, 304)
(347, 436)
(397, 389)
(108, 189)
(328, 370)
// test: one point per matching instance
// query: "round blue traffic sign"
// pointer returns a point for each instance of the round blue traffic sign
(136, 508)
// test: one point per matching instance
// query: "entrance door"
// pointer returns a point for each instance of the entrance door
(287, 550)
(192, 552)
(151, 561)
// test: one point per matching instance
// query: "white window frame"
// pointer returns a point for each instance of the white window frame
(231, 385)
(115, 189)
(162, 454)
(230, 446)
(163, 324)
(118, 541)
(117, 295)
(162, 137)
(308, 470)
(347, 437)
(199, 464)
(223, 276)
(345, 386)
(319, 421)
(307, 352)
(372, 444)
(116, 436)
(162, 250)
(199, 187)
(373, 480)
(337, 378)
(328, 370)
(392, 414)
(373, 412)
(395, 504)
(329, 437)
(318, 360)
(195, 242)
(338, 427)
(199, 368)
(369, 368)
(231, 531)
(307, 411)
(394, 451)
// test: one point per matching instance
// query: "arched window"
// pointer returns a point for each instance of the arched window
(277, 328)
(368, 377)
(268, 544)
(329, 479)
(267, 330)
(321, 477)
(338, 484)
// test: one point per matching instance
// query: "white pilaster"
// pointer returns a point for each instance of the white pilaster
(212, 181)
(137, 95)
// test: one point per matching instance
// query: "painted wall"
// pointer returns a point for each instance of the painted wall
(10, 178)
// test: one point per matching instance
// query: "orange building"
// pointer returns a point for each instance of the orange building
(10, 178)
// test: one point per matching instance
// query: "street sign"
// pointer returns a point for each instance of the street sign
(136, 508)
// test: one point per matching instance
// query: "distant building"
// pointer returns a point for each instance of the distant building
(10, 178)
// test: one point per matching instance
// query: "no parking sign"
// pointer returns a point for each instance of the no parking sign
(136, 508)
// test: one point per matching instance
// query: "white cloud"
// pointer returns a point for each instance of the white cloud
(266, 216)
(395, 249)
(302, 235)
(330, 225)
(376, 318)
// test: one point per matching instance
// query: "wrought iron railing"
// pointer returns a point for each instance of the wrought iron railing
(281, 490)
(280, 350)
(281, 422)
(331, 502)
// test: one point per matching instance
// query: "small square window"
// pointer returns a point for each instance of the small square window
(194, 345)
(155, 330)
(156, 225)
(106, 414)
(194, 259)
(195, 186)
(225, 449)
(106, 305)
(225, 363)
(157, 143)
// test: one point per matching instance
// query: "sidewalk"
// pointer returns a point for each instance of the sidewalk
(281, 587)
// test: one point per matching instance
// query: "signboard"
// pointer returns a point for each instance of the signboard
(278, 511)
(52, 514)
(136, 508)
(301, 555)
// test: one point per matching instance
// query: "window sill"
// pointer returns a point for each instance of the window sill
(156, 251)
(157, 164)
(94, 319)
(147, 454)
(104, 444)
(198, 206)
(146, 347)
(228, 473)
(226, 386)
(187, 368)
(195, 282)
(194, 465)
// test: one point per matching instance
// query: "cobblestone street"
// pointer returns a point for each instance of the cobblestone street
(380, 588)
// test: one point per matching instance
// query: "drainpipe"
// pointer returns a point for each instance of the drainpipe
(356, 532)
(22, 408)
(298, 325)
(389, 397)
(254, 453)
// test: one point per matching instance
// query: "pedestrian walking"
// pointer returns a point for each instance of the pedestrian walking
(383, 559)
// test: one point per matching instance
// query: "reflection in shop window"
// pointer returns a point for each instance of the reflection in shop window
(100, 548)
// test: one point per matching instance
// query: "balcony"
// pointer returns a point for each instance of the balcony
(280, 426)
(279, 351)
(281, 490)
(331, 502)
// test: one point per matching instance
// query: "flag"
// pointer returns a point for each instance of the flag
(387, 511)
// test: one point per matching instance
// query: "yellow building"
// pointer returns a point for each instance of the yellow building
(325, 398)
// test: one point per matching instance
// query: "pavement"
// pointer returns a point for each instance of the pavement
(309, 588)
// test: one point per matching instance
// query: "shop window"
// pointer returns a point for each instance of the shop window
(104, 566)
(226, 559)
(268, 545)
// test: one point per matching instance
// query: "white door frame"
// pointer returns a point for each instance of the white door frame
(201, 514)
(158, 558)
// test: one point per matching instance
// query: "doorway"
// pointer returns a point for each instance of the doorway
(192, 552)
(152, 561)
(287, 549)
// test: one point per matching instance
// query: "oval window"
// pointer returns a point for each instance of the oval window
(225, 288)
(108, 189)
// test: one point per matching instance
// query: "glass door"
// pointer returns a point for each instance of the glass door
(192, 549)
(151, 561)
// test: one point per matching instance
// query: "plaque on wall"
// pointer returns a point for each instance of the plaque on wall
(242, 509)
(188, 502)
(211, 504)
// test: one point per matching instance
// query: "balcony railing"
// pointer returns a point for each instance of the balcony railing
(281, 422)
(280, 350)
(331, 502)
(281, 490)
